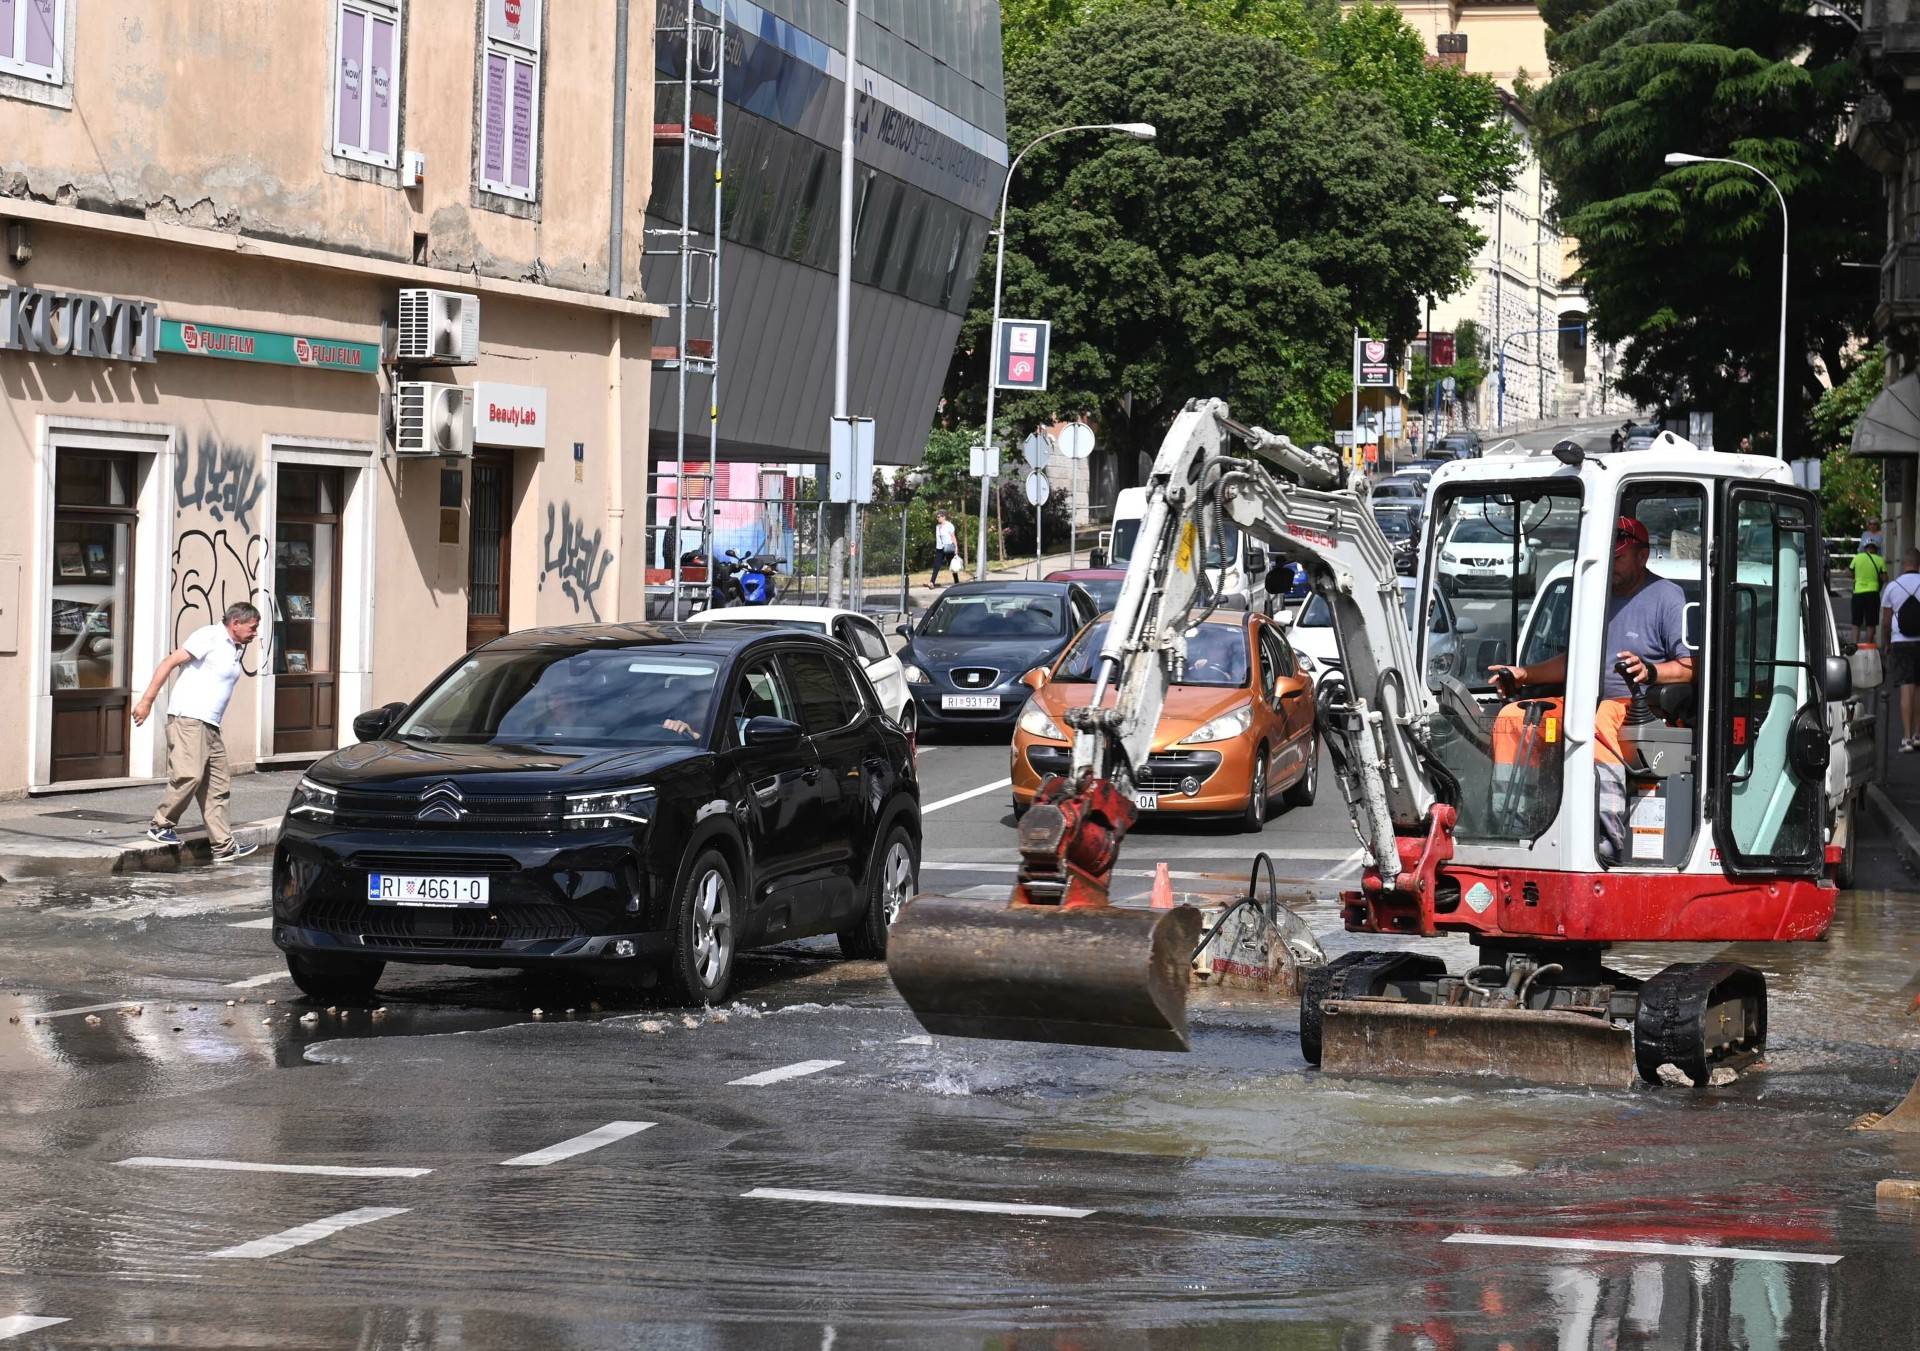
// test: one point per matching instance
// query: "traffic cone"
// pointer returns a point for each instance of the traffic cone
(1162, 895)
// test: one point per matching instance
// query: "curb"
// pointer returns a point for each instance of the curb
(1906, 836)
(106, 861)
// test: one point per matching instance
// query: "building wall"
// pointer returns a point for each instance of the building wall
(141, 178)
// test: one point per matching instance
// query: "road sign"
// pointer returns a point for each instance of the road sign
(1076, 440)
(1395, 421)
(850, 460)
(1372, 365)
(1035, 449)
(1343, 438)
(1038, 489)
(1448, 385)
(975, 454)
(1020, 358)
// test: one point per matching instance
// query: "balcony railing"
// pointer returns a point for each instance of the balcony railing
(1899, 287)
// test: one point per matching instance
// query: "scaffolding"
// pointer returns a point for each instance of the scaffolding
(698, 94)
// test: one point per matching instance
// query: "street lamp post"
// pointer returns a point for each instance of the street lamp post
(1430, 414)
(1680, 157)
(1144, 131)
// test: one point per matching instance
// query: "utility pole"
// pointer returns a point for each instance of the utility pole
(843, 311)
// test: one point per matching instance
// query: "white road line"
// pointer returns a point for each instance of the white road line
(241, 1166)
(921, 1040)
(579, 1144)
(913, 1202)
(264, 922)
(266, 978)
(1647, 1248)
(302, 1234)
(984, 788)
(84, 1008)
(794, 1071)
(19, 1324)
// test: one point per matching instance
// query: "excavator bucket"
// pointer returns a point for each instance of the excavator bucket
(1394, 1038)
(1904, 1118)
(1088, 975)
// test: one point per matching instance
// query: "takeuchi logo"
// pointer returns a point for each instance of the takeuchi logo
(216, 341)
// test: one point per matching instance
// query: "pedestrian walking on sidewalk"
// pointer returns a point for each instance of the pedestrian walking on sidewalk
(209, 666)
(1900, 612)
(1869, 575)
(946, 549)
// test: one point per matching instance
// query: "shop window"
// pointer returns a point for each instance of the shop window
(33, 36)
(366, 84)
(510, 99)
(89, 613)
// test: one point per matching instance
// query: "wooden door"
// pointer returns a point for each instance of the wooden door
(489, 547)
(306, 604)
(90, 628)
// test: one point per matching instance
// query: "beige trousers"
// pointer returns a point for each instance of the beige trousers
(197, 771)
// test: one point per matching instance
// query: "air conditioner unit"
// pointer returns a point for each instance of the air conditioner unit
(439, 328)
(432, 419)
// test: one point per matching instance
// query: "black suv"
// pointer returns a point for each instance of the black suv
(614, 799)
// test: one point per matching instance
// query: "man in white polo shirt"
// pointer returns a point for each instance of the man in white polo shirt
(209, 666)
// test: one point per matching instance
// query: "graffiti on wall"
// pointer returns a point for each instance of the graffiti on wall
(575, 557)
(223, 479)
(211, 572)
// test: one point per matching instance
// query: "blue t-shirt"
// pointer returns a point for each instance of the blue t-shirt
(1651, 623)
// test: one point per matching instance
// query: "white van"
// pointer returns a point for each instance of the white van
(1237, 570)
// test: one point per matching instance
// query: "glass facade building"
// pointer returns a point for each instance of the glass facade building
(930, 127)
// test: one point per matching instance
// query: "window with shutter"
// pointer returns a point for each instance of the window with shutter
(366, 84)
(510, 99)
(33, 35)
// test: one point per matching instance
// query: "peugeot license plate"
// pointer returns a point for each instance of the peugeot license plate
(1147, 802)
(444, 892)
(987, 703)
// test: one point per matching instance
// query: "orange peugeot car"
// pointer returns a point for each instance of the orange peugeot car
(1237, 730)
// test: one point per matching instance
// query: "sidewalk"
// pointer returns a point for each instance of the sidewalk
(104, 831)
(1895, 798)
(882, 594)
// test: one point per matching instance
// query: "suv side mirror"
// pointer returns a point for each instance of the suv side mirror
(765, 731)
(904, 630)
(373, 724)
(1035, 678)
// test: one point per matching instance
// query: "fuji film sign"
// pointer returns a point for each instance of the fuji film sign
(509, 415)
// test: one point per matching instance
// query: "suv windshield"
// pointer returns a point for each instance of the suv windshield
(1216, 655)
(1482, 532)
(997, 614)
(635, 696)
(1394, 524)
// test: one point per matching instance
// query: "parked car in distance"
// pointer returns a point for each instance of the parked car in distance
(1445, 629)
(1103, 584)
(1399, 488)
(1237, 729)
(1640, 437)
(549, 802)
(1401, 525)
(964, 659)
(1481, 552)
(857, 633)
(1458, 445)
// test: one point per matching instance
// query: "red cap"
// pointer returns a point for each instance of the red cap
(1628, 531)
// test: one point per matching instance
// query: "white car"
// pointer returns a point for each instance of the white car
(1478, 554)
(860, 635)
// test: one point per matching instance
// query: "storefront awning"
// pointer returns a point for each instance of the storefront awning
(1891, 424)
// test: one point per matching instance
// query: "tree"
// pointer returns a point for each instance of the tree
(1231, 257)
(1849, 485)
(1682, 264)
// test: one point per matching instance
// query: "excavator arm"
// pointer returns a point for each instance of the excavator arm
(1060, 962)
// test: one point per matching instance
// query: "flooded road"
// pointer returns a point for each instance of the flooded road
(193, 1155)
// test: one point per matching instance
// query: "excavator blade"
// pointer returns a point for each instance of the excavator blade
(1393, 1038)
(1087, 976)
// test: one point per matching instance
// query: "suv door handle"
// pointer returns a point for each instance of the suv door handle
(811, 773)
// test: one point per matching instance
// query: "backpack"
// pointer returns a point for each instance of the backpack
(1908, 615)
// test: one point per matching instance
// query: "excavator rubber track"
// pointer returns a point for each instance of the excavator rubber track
(1394, 1015)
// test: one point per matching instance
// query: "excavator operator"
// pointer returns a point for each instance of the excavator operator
(1647, 635)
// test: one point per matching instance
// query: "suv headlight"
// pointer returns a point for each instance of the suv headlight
(914, 675)
(1035, 722)
(1223, 728)
(592, 811)
(315, 801)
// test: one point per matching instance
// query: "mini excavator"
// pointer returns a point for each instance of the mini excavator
(1530, 818)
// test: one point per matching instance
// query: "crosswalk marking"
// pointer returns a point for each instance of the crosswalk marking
(774, 1076)
(830, 1198)
(579, 1144)
(302, 1234)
